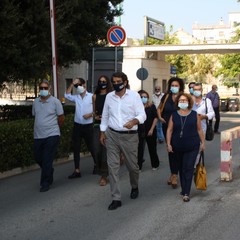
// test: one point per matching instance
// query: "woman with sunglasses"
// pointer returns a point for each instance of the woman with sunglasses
(104, 86)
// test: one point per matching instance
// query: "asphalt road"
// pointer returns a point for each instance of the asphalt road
(77, 209)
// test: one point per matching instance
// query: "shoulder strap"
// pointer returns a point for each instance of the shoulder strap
(163, 105)
(206, 109)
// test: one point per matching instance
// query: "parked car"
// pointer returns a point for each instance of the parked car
(233, 104)
(224, 104)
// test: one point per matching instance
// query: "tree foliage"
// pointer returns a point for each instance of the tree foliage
(25, 39)
(229, 69)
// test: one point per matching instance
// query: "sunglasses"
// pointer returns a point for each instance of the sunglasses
(43, 88)
(157, 89)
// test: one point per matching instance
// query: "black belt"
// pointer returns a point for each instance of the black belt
(124, 132)
(84, 125)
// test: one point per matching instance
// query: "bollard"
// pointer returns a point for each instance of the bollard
(226, 167)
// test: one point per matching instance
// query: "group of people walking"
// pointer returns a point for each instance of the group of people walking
(116, 122)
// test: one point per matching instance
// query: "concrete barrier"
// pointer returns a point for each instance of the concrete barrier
(226, 166)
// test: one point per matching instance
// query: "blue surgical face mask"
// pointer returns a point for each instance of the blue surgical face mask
(174, 90)
(183, 105)
(144, 100)
(197, 93)
(118, 87)
(43, 93)
(191, 90)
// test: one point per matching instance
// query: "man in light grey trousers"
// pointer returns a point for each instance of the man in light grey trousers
(123, 111)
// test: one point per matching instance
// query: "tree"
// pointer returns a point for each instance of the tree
(25, 39)
(229, 69)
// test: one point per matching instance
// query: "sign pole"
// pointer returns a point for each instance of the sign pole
(116, 59)
(53, 42)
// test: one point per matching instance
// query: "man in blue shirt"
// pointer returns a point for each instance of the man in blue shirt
(214, 97)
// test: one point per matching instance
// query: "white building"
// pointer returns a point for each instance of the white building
(219, 33)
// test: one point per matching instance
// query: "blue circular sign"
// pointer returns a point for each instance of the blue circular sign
(142, 73)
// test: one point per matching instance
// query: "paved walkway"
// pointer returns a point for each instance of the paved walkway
(77, 209)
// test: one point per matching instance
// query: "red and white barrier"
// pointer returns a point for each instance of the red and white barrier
(227, 137)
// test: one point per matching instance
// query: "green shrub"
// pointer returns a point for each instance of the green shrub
(16, 112)
(16, 142)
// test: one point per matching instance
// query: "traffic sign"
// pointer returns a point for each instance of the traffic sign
(173, 70)
(142, 73)
(116, 35)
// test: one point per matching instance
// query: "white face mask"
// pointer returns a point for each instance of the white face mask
(80, 89)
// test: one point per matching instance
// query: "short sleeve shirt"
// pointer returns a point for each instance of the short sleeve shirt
(46, 117)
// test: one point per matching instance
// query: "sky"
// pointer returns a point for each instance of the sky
(178, 13)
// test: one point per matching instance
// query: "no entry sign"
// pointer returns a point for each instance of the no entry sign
(116, 35)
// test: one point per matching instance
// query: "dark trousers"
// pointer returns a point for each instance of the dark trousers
(101, 153)
(152, 149)
(81, 131)
(44, 153)
(186, 162)
(217, 117)
(174, 166)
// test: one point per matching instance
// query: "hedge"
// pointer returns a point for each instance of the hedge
(16, 142)
(15, 112)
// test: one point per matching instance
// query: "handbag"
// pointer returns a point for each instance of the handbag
(209, 131)
(200, 177)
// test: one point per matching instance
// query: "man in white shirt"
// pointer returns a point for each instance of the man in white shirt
(156, 98)
(205, 111)
(83, 123)
(123, 111)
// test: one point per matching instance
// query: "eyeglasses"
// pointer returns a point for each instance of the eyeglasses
(43, 88)
(157, 89)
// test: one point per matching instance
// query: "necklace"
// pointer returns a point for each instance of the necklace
(182, 125)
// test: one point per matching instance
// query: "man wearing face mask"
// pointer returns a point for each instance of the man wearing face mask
(83, 122)
(190, 87)
(48, 113)
(200, 104)
(215, 99)
(123, 111)
(156, 98)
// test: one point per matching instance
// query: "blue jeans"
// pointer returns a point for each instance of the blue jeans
(44, 153)
(160, 135)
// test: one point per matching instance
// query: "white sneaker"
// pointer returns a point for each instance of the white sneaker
(154, 169)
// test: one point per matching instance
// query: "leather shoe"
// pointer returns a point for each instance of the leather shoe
(74, 175)
(114, 205)
(134, 193)
(44, 189)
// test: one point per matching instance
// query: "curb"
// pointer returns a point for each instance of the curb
(18, 171)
